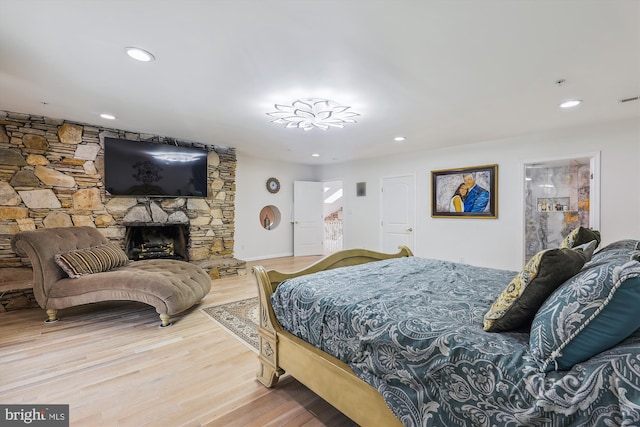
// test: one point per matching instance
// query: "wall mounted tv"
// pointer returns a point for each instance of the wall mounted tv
(133, 168)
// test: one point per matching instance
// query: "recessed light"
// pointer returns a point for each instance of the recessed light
(399, 138)
(571, 103)
(315, 155)
(108, 116)
(140, 54)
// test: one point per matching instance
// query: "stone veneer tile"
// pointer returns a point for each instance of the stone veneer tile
(37, 159)
(11, 157)
(138, 214)
(40, 199)
(54, 178)
(87, 199)
(35, 142)
(157, 214)
(57, 219)
(70, 134)
(121, 204)
(87, 151)
(13, 212)
(8, 196)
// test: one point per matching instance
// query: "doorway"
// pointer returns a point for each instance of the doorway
(559, 195)
(397, 212)
(333, 208)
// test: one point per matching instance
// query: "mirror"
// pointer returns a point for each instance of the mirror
(269, 217)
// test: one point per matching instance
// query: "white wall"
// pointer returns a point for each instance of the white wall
(252, 241)
(488, 242)
(496, 242)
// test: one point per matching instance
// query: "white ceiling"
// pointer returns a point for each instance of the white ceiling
(441, 73)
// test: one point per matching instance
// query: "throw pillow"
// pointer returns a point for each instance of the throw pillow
(590, 313)
(91, 260)
(580, 236)
(588, 249)
(517, 305)
(622, 244)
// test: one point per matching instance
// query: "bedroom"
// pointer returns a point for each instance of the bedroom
(614, 134)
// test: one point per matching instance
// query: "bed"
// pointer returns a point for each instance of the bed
(393, 339)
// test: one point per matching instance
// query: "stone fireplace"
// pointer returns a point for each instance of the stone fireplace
(51, 175)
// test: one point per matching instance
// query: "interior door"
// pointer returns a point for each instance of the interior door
(308, 224)
(398, 212)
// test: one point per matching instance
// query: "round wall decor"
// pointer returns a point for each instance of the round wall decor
(273, 185)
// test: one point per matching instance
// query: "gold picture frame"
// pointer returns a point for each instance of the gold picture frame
(468, 192)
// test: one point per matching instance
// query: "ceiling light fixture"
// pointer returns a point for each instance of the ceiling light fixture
(140, 54)
(399, 138)
(571, 103)
(315, 155)
(309, 113)
(108, 116)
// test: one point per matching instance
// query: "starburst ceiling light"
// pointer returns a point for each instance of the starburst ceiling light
(309, 113)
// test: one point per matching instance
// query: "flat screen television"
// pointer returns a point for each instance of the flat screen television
(133, 168)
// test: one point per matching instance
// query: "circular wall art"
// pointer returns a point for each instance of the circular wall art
(273, 185)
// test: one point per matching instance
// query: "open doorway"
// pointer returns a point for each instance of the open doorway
(559, 196)
(332, 214)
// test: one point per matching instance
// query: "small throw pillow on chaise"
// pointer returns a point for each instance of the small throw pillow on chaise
(92, 260)
(517, 305)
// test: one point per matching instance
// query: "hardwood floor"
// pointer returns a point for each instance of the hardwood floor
(114, 366)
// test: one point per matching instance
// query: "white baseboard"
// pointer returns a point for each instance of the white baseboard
(257, 258)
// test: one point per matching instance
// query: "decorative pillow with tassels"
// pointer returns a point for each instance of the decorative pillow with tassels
(593, 311)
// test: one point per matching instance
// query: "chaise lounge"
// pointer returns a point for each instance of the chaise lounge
(78, 265)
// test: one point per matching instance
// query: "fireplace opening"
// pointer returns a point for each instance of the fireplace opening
(157, 242)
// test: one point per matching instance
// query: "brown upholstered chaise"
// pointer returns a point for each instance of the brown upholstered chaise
(171, 286)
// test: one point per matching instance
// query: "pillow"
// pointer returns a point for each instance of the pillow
(588, 249)
(580, 236)
(622, 244)
(92, 260)
(590, 313)
(517, 305)
(603, 257)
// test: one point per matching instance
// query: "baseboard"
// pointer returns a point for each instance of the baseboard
(257, 258)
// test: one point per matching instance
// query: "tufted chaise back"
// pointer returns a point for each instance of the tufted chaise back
(43, 244)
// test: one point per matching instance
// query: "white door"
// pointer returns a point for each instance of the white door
(308, 224)
(398, 212)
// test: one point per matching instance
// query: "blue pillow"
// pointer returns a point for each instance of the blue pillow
(622, 244)
(612, 255)
(591, 312)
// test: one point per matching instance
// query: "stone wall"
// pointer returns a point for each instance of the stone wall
(51, 176)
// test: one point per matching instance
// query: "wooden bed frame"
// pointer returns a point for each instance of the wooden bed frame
(325, 375)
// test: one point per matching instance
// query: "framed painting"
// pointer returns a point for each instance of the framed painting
(469, 192)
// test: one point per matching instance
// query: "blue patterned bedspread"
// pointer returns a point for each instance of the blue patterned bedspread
(412, 328)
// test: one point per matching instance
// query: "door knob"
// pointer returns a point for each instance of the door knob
(409, 229)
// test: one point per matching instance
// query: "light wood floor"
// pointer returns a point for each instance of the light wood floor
(114, 366)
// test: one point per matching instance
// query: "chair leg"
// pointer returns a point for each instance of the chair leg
(164, 318)
(53, 316)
